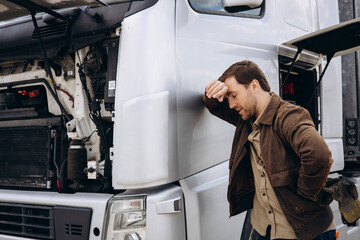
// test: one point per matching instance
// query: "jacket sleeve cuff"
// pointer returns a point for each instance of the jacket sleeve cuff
(323, 198)
(211, 103)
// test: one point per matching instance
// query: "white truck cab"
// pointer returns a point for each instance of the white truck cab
(103, 133)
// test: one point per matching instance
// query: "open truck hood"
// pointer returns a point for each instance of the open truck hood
(333, 41)
(17, 8)
(19, 39)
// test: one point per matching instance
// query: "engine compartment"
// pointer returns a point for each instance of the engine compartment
(56, 133)
(57, 95)
(56, 125)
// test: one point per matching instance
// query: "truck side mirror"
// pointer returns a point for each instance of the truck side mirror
(241, 3)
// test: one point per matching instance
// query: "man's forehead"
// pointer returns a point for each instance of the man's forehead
(232, 83)
(230, 79)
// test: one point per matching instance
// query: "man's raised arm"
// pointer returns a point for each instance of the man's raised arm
(216, 102)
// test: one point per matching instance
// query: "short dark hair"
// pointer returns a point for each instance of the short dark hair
(244, 72)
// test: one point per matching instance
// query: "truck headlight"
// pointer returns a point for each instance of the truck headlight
(126, 218)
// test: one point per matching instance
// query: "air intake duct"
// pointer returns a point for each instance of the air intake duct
(77, 161)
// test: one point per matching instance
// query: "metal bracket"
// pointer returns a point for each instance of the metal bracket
(292, 65)
(329, 56)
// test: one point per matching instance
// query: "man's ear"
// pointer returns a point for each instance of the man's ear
(255, 85)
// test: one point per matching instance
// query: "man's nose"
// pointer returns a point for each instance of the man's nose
(231, 103)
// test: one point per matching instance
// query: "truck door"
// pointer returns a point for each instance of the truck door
(208, 40)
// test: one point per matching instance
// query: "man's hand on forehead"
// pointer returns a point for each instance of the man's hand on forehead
(216, 89)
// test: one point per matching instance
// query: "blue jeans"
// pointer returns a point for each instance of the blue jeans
(330, 235)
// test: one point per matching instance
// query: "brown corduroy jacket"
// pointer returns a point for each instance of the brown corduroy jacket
(296, 159)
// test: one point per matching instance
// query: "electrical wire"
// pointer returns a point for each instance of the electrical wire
(67, 93)
(95, 116)
(88, 138)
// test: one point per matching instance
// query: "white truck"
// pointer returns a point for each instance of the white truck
(103, 133)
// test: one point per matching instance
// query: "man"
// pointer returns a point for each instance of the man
(278, 164)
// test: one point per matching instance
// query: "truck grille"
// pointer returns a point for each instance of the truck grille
(73, 229)
(72, 223)
(28, 150)
(27, 220)
(45, 222)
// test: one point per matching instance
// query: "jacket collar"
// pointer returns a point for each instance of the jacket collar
(267, 116)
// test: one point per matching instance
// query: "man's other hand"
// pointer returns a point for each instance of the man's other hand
(216, 89)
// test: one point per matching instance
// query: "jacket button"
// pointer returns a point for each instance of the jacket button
(264, 194)
(269, 212)
(262, 175)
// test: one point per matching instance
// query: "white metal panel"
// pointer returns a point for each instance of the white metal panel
(328, 14)
(207, 208)
(165, 226)
(331, 101)
(337, 152)
(145, 132)
(289, 29)
(297, 13)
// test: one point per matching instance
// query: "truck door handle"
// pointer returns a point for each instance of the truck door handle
(170, 205)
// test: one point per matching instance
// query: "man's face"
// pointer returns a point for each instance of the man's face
(241, 98)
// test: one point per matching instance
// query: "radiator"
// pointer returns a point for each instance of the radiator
(27, 153)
